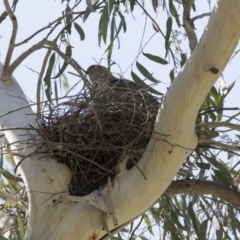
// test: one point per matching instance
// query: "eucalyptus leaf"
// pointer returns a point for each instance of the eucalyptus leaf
(155, 58)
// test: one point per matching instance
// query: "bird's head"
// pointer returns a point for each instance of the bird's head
(99, 74)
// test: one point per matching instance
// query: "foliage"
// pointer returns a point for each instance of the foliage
(186, 215)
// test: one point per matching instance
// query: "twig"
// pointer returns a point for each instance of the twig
(189, 26)
(222, 146)
(6, 72)
(201, 16)
(37, 32)
(3, 16)
(25, 54)
(136, 228)
(39, 83)
(9, 197)
(70, 22)
(69, 60)
(203, 112)
(158, 28)
(220, 124)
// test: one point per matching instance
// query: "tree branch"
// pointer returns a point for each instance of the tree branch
(200, 187)
(6, 73)
(175, 124)
(189, 26)
(222, 146)
(221, 124)
(14, 199)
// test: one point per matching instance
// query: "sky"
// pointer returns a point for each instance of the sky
(33, 15)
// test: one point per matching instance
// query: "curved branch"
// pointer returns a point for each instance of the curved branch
(161, 161)
(222, 146)
(189, 26)
(200, 187)
(6, 73)
(9, 197)
(221, 124)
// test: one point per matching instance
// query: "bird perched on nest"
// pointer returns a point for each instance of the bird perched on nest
(101, 78)
(138, 102)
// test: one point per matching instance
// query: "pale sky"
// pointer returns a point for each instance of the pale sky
(33, 15)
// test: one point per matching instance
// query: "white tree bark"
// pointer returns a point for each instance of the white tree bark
(132, 194)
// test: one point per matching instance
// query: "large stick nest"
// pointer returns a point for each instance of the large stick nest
(93, 132)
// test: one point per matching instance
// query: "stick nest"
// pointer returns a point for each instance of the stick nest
(94, 130)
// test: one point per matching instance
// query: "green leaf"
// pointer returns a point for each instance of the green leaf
(146, 73)
(56, 91)
(226, 176)
(80, 31)
(148, 223)
(174, 12)
(203, 165)
(183, 59)
(69, 18)
(168, 33)
(171, 75)
(104, 19)
(112, 29)
(90, 6)
(11, 178)
(216, 95)
(192, 215)
(109, 52)
(65, 83)
(143, 238)
(229, 89)
(234, 222)
(155, 58)
(3, 238)
(47, 78)
(142, 84)
(175, 219)
(20, 226)
(65, 64)
(155, 5)
(123, 22)
(203, 229)
(86, 14)
(223, 178)
(132, 4)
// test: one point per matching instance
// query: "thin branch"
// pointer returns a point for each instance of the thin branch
(6, 72)
(201, 16)
(69, 60)
(70, 22)
(9, 197)
(220, 124)
(222, 146)
(189, 26)
(200, 187)
(203, 112)
(135, 229)
(39, 83)
(25, 54)
(158, 28)
(37, 32)
(3, 16)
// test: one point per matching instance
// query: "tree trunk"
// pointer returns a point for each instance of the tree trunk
(173, 140)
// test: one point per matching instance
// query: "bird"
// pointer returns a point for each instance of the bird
(105, 84)
(101, 77)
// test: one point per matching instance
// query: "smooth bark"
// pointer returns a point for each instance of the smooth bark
(173, 140)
